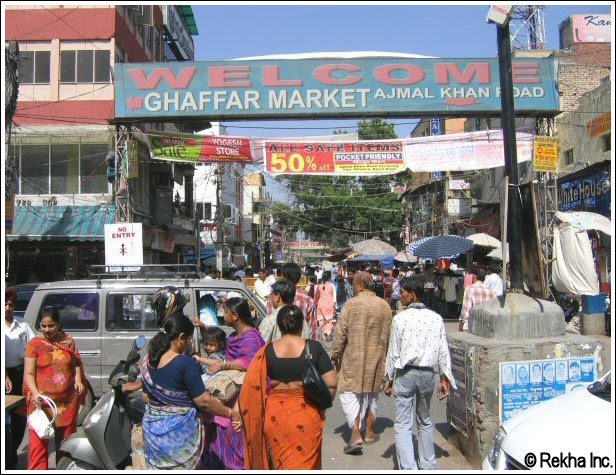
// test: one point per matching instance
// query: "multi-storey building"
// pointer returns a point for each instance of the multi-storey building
(63, 137)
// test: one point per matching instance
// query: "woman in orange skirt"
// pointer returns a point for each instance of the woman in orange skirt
(283, 429)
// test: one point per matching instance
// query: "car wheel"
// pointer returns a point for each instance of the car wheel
(83, 410)
(69, 463)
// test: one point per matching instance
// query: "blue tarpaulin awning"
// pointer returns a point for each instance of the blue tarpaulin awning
(67, 223)
(387, 262)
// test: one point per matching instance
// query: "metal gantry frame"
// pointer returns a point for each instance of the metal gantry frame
(547, 203)
(121, 189)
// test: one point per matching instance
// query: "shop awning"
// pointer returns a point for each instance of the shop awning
(61, 223)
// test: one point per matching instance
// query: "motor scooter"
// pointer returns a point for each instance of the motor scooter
(103, 442)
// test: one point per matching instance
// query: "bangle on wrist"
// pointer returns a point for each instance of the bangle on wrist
(230, 413)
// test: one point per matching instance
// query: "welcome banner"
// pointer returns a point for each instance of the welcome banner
(375, 157)
(200, 148)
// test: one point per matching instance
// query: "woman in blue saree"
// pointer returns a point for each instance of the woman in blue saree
(226, 444)
(173, 434)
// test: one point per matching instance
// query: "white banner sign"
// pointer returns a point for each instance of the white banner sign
(123, 244)
(463, 152)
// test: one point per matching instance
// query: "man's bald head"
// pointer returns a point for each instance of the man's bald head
(364, 281)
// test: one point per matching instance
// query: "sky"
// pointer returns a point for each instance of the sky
(449, 31)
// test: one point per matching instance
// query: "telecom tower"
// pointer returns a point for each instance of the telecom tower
(527, 26)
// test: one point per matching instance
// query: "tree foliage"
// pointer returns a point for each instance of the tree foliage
(346, 209)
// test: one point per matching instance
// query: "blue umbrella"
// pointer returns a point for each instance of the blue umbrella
(440, 247)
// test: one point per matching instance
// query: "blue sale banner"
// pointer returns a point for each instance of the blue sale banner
(352, 87)
(526, 383)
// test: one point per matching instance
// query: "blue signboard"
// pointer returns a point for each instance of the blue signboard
(352, 87)
(587, 193)
(526, 383)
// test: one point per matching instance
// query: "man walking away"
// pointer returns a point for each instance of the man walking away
(417, 345)
(358, 351)
(474, 295)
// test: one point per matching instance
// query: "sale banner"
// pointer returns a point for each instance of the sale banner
(200, 148)
(375, 157)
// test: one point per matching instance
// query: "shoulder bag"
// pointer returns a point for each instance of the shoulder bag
(40, 423)
(314, 386)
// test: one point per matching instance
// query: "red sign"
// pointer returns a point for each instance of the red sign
(375, 157)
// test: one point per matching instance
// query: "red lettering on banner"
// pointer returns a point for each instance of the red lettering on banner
(181, 81)
(323, 74)
(525, 73)
(444, 72)
(271, 77)
(223, 76)
(414, 74)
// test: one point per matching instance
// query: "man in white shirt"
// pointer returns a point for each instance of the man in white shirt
(262, 289)
(17, 334)
(417, 345)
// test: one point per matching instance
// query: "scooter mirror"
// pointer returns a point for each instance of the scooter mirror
(140, 342)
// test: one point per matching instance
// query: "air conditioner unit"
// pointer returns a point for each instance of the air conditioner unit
(144, 16)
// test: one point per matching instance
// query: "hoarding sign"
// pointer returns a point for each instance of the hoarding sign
(546, 154)
(326, 87)
(199, 148)
(376, 157)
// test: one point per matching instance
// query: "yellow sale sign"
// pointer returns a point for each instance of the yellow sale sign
(546, 154)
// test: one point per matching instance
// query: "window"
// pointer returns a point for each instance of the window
(568, 157)
(34, 67)
(606, 142)
(93, 168)
(34, 169)
(130, 312)
(63, 168)
(77, 311)
(84, 66)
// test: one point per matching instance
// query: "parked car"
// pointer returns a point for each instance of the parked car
(572, 425)
(105, 315)
(24, 294)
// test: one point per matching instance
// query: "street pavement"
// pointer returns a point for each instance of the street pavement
(379, 456)
(382, 454)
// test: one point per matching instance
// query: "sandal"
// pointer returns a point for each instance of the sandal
(354, 449)
(373, 440)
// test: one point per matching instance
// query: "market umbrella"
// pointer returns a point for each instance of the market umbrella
(405, 256)
(484, 240)
(374, 247)
(440, 247)
(497, 254)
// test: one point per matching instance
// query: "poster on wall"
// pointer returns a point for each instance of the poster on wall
(526, 383)
(457, 402)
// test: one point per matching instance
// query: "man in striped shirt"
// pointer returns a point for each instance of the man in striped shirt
(474, 294)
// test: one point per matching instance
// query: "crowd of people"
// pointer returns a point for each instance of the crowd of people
(361, 340)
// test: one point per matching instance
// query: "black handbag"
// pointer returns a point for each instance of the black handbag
(316, 389)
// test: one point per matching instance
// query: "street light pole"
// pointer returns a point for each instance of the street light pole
(514, 218)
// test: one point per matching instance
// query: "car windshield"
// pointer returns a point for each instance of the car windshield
(602, 388)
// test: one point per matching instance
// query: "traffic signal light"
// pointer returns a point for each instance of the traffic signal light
(111, 167)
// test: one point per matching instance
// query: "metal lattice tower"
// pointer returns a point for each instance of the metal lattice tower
(527, 26)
